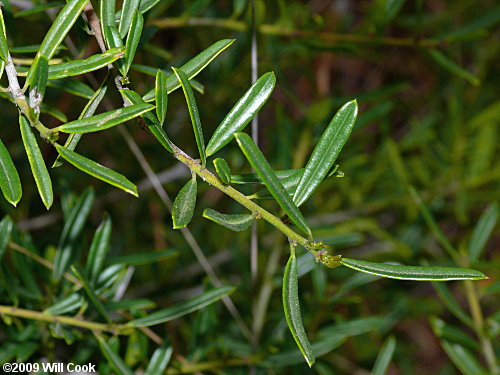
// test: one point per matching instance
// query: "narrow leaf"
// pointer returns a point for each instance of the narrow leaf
(129, 8)
(291, 306)
(133, 38)
(465, 361)
(194, 66)
(77, 67)
(253, 178)
(107, 14)
(113, 39)
(6, 226)
(482, 232)
(273, 184)
(193, 113)
(4, 47)
(91, 294)
(161, 96)
(384, 357)
(143, 258)
(416, 273)
(242, 113)
(9, 178)
(326, 151)
(104, 120)
(452, 67)
(159, 360)
(38, 84)
(98, 251)
(35, 158)
(114, 359)
(237, 222)
(97, 170)
(183, 208)
(223, 170)
(73, 87)
(183, 308)
(451, 303)
(70, 303)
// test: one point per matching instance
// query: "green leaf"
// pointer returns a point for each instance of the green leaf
(38, 9)
(77, 67)
(273, 184)
(193, 113)
(115, 361)
(133, 38)
(452, 67)
(88, 111)
(416, 273)
(451, 303)
(253, 178)
(54, 112)
(291, 306)
(73, 87)
(35, 158)
(112, 37)
(223, 170)
(242, 113)
(183, 208)
(9, 178)
(107, 15)
(147, 5)
(70, 303)
(73, 226)
(384, 357)
(161, 96)
(97, 170)
(98, 250)
(104, 120)
(183, 308)
(38, 84)
(150, 120)
(91, 294)
(237, 222)
(129, 8)
(143, 258)
(4, 47)
(465, 361)
(159, 360)
(326, 151)
(482, 231)
(6, 226)
(194, 66)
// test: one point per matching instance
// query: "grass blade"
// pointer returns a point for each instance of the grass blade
(97, 170)
(326, 151)
(242, 113)
(129, 8)
(384, 357)
(9, 178)
(159, 360)
(193, 113)
(183, 208)
(133, 38)
(161, 96)
(98, 250)
(482, 232)
(223, 170)
(292, 309)
(416, 273)
(237, 222)
(104, 120)
(183, 308)
(38, 167)
(194, 66)
(273, 184)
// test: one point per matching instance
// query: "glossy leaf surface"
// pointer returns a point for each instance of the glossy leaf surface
(38, 167)
(161, 96)
(273, 184)
(234, 222)
(107, 13)
(9, 178)
(291, 306)
(129, 8)
(113, 358)
(253, 178)
(70, 303)
(222, 169)
(159, 360)
(39, 82)
(114, 40)
(105, 120)
(4, 47)
(133, 38)
(326, 151)
(183, 208)
(242, 113)
(183, 308)
(98, 250)
(416, 273)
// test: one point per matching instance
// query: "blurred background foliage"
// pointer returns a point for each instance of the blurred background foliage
(425, 75)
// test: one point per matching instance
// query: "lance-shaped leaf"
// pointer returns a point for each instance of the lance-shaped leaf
(98, 250)
(453, 306)
(97, 170)
(73, 87)
(253, 178)
(183, 308)
(129, 8)
(4, 47)
(223, 170)
(104, 120)
(35, 158)
(384, 357)
(88, 111)
(9, 178)
(416, 273)
(38, 84)
(273, 184)
(452, 67)
(482, 232)
(70, 303)
(291, 306)
(194, 66)
(58, 31)
(242, 113)
(91, 294)
(161, 96)
(6, 226)
(142, 258)
(326, 151)
(77, 67)
(107, 15)
(133, 38)
(39, 9)
(463, 359)
(150, 120)
(114, 40)
(114, 359)
(159, 360)
(72, 228)
(183, 208)
(235, 222)
(193, 113)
